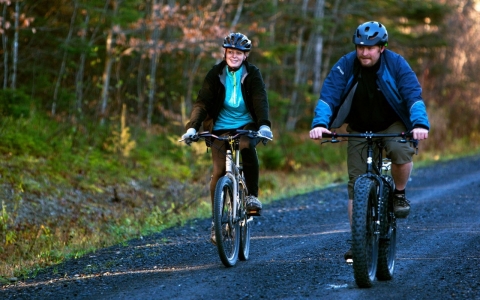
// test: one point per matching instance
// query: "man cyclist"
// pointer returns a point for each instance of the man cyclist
(232, 97)
(373, 89)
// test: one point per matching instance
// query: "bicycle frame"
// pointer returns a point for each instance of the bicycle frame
(374, 172)
(232, 160)
(232, 170)
(374, 169)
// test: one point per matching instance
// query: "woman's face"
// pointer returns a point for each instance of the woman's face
(234, 57)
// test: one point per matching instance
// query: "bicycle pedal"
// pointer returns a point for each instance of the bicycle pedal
(253, 213)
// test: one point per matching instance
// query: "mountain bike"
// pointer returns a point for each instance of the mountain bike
(374, 226)
(230, 216)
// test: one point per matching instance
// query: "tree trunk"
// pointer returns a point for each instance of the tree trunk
(5, 47)
(331, 38)
(64, 60)
(106, 76)
(237, 15)
(271, 41)
(292, 115)
(15, 46)
(83, 56)
(153, 62)
(109, 59)
(318, 41)
(81, 70)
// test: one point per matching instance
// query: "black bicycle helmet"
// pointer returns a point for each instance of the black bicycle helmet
(237, 41)
(371, 34)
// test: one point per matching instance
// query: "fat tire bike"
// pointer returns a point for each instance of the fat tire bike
(374, 226)
(232, 221)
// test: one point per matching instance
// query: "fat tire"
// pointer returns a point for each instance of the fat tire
(245, 226)
(388, 239)
(227, 231)
(364, 237)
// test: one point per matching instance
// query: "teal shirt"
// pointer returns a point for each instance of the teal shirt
(234, 113)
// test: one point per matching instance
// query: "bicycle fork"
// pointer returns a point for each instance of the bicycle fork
(378, 179)
(232, 173)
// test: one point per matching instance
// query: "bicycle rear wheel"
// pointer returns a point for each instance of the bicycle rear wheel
(244, 225)
(364, 232)
(388, 239)
(226, 227)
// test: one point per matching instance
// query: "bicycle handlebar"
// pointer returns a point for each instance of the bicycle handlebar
(239, 132)
(370, 135)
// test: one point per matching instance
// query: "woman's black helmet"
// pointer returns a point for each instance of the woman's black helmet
(237, 41)
(371, 34)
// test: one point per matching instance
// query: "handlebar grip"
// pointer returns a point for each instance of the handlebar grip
(329, 135)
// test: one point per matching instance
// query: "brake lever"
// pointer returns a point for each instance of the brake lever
(415, 144)
(193, 138)
(333, 141)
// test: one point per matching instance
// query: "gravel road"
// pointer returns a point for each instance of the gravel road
(296, 252)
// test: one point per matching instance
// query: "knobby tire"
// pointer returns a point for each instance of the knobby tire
(388, 234)
(245, 226)
(364, 237)
(227, 230)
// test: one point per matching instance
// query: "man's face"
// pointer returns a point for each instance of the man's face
(369, 55)
(234, 57)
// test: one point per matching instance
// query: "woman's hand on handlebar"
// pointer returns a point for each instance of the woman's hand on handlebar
(317, 132)
(187, 138)
(420, 133)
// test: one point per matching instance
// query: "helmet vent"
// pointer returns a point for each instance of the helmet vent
(372, 37)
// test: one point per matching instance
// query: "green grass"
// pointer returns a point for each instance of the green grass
(67, 190)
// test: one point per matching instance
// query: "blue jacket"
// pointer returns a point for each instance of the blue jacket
(396, 80)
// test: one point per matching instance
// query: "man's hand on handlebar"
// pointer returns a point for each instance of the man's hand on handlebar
(316, 133)
(420, 133)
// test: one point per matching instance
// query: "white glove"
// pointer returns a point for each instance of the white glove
(265, 131)
(187, 137)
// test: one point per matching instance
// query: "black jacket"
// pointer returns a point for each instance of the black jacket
(211, 97)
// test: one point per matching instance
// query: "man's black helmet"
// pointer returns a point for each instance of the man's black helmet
(237, 41)
(371, 34)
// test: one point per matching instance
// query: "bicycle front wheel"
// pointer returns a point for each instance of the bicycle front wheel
(244, 225)
(364, 232)
(227, 231)
(388, 239)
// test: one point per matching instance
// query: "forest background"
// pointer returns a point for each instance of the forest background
(96, 94)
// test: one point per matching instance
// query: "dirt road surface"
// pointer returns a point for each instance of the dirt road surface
(296, 252)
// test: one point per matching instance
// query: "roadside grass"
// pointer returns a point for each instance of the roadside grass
(68, 190)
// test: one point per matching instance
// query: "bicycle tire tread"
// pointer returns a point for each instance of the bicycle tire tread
(363, 276)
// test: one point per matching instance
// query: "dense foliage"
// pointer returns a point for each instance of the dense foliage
(80, 61)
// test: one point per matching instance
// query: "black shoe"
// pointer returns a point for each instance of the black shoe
(254, 206)
(348, 256)
(401, 206)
